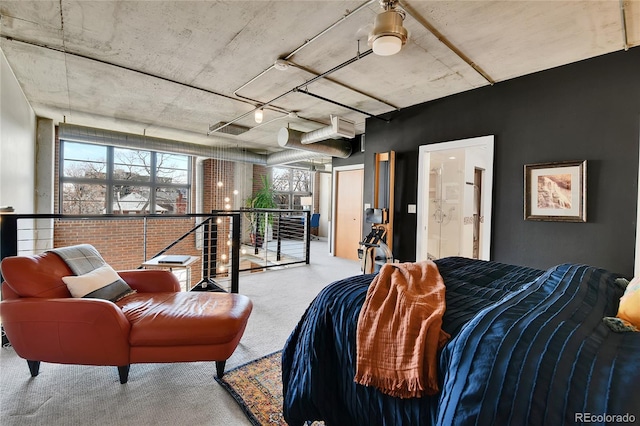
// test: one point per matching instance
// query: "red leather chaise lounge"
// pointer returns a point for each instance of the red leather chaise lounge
(157, 324)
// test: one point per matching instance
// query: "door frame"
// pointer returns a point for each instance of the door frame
(334, 195)
(636, 268)
(486, 142)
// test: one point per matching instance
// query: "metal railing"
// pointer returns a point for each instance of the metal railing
(126, 241)
(226, 242)
(274, 238)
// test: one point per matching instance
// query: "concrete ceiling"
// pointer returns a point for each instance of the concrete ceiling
(173, 69)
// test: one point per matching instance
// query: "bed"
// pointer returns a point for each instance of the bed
(527, 346)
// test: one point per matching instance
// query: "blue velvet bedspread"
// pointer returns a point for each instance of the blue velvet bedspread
(527, 347)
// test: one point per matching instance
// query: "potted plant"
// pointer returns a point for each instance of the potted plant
(263, 198)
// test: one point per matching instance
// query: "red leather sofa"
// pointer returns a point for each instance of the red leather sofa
(158, 324)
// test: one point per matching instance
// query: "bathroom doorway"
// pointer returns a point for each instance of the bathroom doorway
(454, 199)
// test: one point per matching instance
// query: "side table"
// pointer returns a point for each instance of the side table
(160, 262)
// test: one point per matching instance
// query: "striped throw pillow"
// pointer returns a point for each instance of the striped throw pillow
(101, 283)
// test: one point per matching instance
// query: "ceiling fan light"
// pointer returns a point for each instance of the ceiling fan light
(388, 35)
(387, 45)
(258, 116)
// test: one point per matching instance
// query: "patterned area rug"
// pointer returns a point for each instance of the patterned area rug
(257, 386)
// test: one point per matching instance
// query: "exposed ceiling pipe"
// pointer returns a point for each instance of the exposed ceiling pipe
(322, 98)
(444, 40)
(213, 129)
(66, 51)
(382, 101)
(307, 42)
(289, 138)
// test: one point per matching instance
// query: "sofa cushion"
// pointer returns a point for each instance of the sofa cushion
(101, 283)
(37, 275)
(185, 318)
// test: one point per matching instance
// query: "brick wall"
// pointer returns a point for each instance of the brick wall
(218, 184)
(258, 172)
(122, 241)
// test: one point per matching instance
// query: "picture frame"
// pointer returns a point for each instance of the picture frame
(556, 191)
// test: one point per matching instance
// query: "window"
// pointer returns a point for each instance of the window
(289, 185)
(98, 179)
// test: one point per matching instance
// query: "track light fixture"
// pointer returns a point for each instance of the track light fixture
(388, 35)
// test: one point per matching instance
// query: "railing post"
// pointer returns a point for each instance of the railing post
(307, 233)
(8, 247)
(214, 246)
(279, 239)
(235, 252)
(256, 232)
(206, 242)
(8, 235)
(265, 236)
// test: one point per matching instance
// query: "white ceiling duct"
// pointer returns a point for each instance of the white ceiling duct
(339, 128)
(84, 134)
(289, 138)
(289, 156)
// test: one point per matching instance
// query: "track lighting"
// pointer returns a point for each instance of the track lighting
(388, 35)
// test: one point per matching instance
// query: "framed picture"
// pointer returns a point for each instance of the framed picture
(556, 191)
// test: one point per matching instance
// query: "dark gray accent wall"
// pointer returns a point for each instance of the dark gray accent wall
(588, 110)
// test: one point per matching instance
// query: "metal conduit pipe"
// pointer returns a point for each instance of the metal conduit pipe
(285, 60)
(289, 138)
(348, 62)
(305, 44)
(412, 12)
(360, 92)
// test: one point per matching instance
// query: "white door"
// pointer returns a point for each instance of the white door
(348, 212)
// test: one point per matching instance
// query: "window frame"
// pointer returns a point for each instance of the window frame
(110, 182)
(293, 195)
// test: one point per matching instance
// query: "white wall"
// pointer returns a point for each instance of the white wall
(325, 204)
(17, 144)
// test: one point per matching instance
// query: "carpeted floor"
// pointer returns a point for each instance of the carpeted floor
(167, 394)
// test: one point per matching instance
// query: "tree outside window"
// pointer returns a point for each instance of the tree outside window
(103, 179)
(290, 184)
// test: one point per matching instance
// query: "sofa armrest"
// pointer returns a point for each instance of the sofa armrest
(67, 331)
(151, 280)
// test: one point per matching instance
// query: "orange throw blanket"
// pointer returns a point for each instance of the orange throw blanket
(398, 334)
